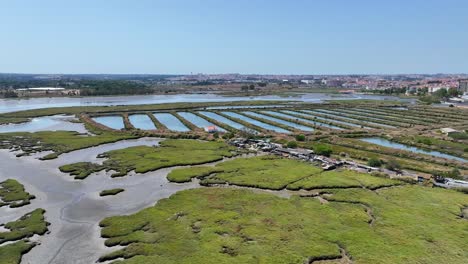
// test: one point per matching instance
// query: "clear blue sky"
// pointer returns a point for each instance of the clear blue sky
(243, 36)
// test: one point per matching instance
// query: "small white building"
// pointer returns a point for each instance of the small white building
(447, 130)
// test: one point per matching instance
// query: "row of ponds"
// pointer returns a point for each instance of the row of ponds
(316, 118)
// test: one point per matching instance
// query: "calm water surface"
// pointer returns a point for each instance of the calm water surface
(257, 123)
(198, 121)
(222, 119)
(171, 122)
(141, 122)
(13, 105)
(114, 122)
(280, 121)
(387, 143)
(46, 123)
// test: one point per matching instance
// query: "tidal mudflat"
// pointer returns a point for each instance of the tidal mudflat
(74, 208)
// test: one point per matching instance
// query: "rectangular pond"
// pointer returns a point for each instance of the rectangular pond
(377, 119)
(257, 123)
(281, 121)
(171, 122)
(222, 119)
(114, 122)
(310, 115)
(142, 121)
(302, 119)
(387, 143)
(338, 114)
(198, 121)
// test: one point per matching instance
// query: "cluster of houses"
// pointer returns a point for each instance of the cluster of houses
(294, 153)
(450, 183)
(330, 163)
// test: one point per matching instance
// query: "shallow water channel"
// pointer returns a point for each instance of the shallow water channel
(387, 143)
(74, 207)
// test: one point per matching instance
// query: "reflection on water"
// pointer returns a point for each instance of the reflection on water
(198, 121)
(222, 119)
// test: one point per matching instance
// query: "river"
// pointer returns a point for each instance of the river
(13, 105)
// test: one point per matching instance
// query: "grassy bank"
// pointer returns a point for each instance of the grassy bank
(13, 194)
(142, 159)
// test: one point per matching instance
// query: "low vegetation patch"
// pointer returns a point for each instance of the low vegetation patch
(143, 159)
(342, 179)
(13, 194)
(28, 225)
(411, 224)
(12, 253)
(57, 141)
(266, 172)
(111, 192)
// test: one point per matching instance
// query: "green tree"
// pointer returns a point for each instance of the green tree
(441, 93)
(453, 92)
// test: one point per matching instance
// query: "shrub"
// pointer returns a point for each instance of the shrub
(300, 137)
(292, 144)
(323, 150)
(393, 165)
(374, 162)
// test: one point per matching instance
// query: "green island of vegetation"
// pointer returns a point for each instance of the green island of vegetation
(13, 194)
(143, 159)
(28, 225)
(111, 192)
(57, 141)
(32, 223)
(405, 224)
(12, 253)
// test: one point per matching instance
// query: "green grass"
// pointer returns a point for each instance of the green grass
(81, 170)
(186, 174)
(111, 192)
(13, 194)
(57, 141)
(143, 159)
(413, 224)
(28, 225)
(12, 253)
(267, 172)
(342, 179)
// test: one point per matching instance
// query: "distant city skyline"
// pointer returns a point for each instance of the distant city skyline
(247, 37)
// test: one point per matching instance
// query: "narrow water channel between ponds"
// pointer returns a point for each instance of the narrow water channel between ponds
(387, 143)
